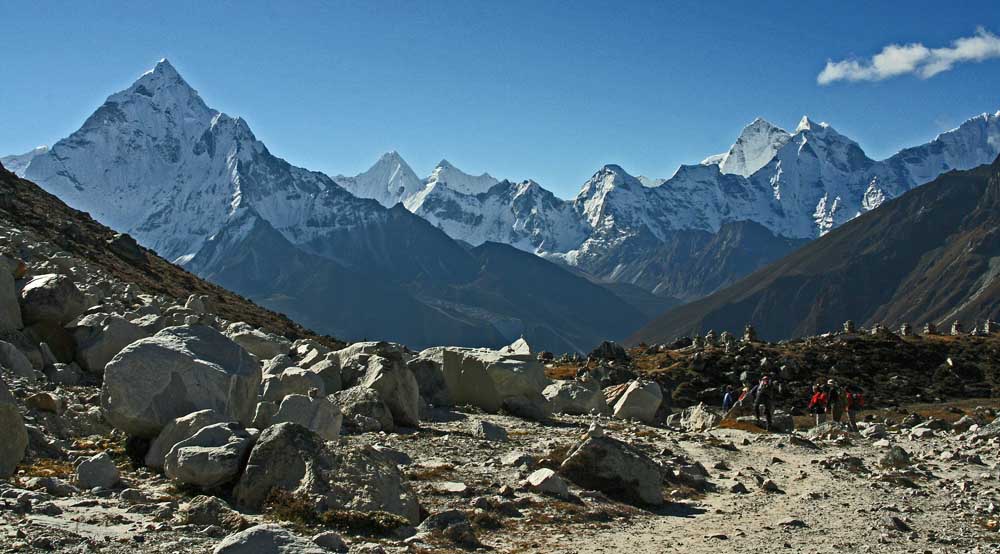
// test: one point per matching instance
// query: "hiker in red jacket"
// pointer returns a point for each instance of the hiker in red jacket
(817, 404)
(854, 401)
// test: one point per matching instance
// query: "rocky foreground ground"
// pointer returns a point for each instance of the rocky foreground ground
(134, 417)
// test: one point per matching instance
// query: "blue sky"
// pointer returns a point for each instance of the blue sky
(539, 89)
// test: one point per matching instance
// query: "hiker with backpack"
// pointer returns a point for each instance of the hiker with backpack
(834, 401)
(855, 401)
(763, 397)
(817, 403)
(728, 399)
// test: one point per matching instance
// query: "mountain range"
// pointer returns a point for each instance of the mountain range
(196, 186)
(932, 255)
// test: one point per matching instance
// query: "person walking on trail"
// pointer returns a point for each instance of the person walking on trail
(834, 401)
(728, 399)
(817, 404)
(855, 401)
(764, 398)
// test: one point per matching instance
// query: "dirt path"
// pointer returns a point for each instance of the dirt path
(818, 511)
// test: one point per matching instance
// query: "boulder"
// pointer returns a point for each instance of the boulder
(533, 407)
(640, 401)
(895, 458)
(328, 370)
(10, 309)
(699, 418)
(616, 469)
(453, 525)
(330, 541)
(15, 435)
(364, 410)
(293, 380)
(573, 397)
(430, 379)
(205, 510)
(15, 360)
(259, 343)
(266, 539)
(177, 430)
(319, 415)
(264, 414)
(98, 337)
(196, 303)
(150, 324)
(125, 246)
(51, 298)
(211, 457)
(290, 458)
(467, 381)
(175, 372)
(98, 471)
(277, 364)
(397, 386)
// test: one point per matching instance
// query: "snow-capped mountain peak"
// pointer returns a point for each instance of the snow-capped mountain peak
(156, 162)
(389, 181)
(757, 144)
(17, 163)
(447, 174)
(806, 124)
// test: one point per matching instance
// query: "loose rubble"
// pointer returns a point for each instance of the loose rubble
(137, 420)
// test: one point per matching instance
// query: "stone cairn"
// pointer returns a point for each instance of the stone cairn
(849, 326)
(710, 338)
(930, 329)
(957, 328)
(906, 330)
(749, 334)
(728, 342)
(989, 327)
(698, 341)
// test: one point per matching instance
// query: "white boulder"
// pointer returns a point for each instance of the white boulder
(175, 372)
(51, 298)
(397, 386)
(15, 435)
(640, 401)
(98, 337)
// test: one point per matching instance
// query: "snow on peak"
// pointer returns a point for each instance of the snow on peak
(651, 182)
(448, 175)
(390, 181)
(806, 124)
(755, 147)
(18, 163)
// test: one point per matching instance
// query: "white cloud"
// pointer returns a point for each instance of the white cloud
(902, 59)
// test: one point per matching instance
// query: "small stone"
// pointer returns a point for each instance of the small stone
(328, 540)
(97, 472)
(491, 432)
(546, 481)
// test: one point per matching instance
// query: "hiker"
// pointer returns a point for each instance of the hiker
(834, 402)
(764, 398)
(817, 404)
(728, 399)
(855, 400)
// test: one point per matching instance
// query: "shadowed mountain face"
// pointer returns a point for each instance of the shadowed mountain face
(932, 255)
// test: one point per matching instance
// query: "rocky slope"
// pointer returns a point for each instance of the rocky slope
(927, 256)
(169, 428)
